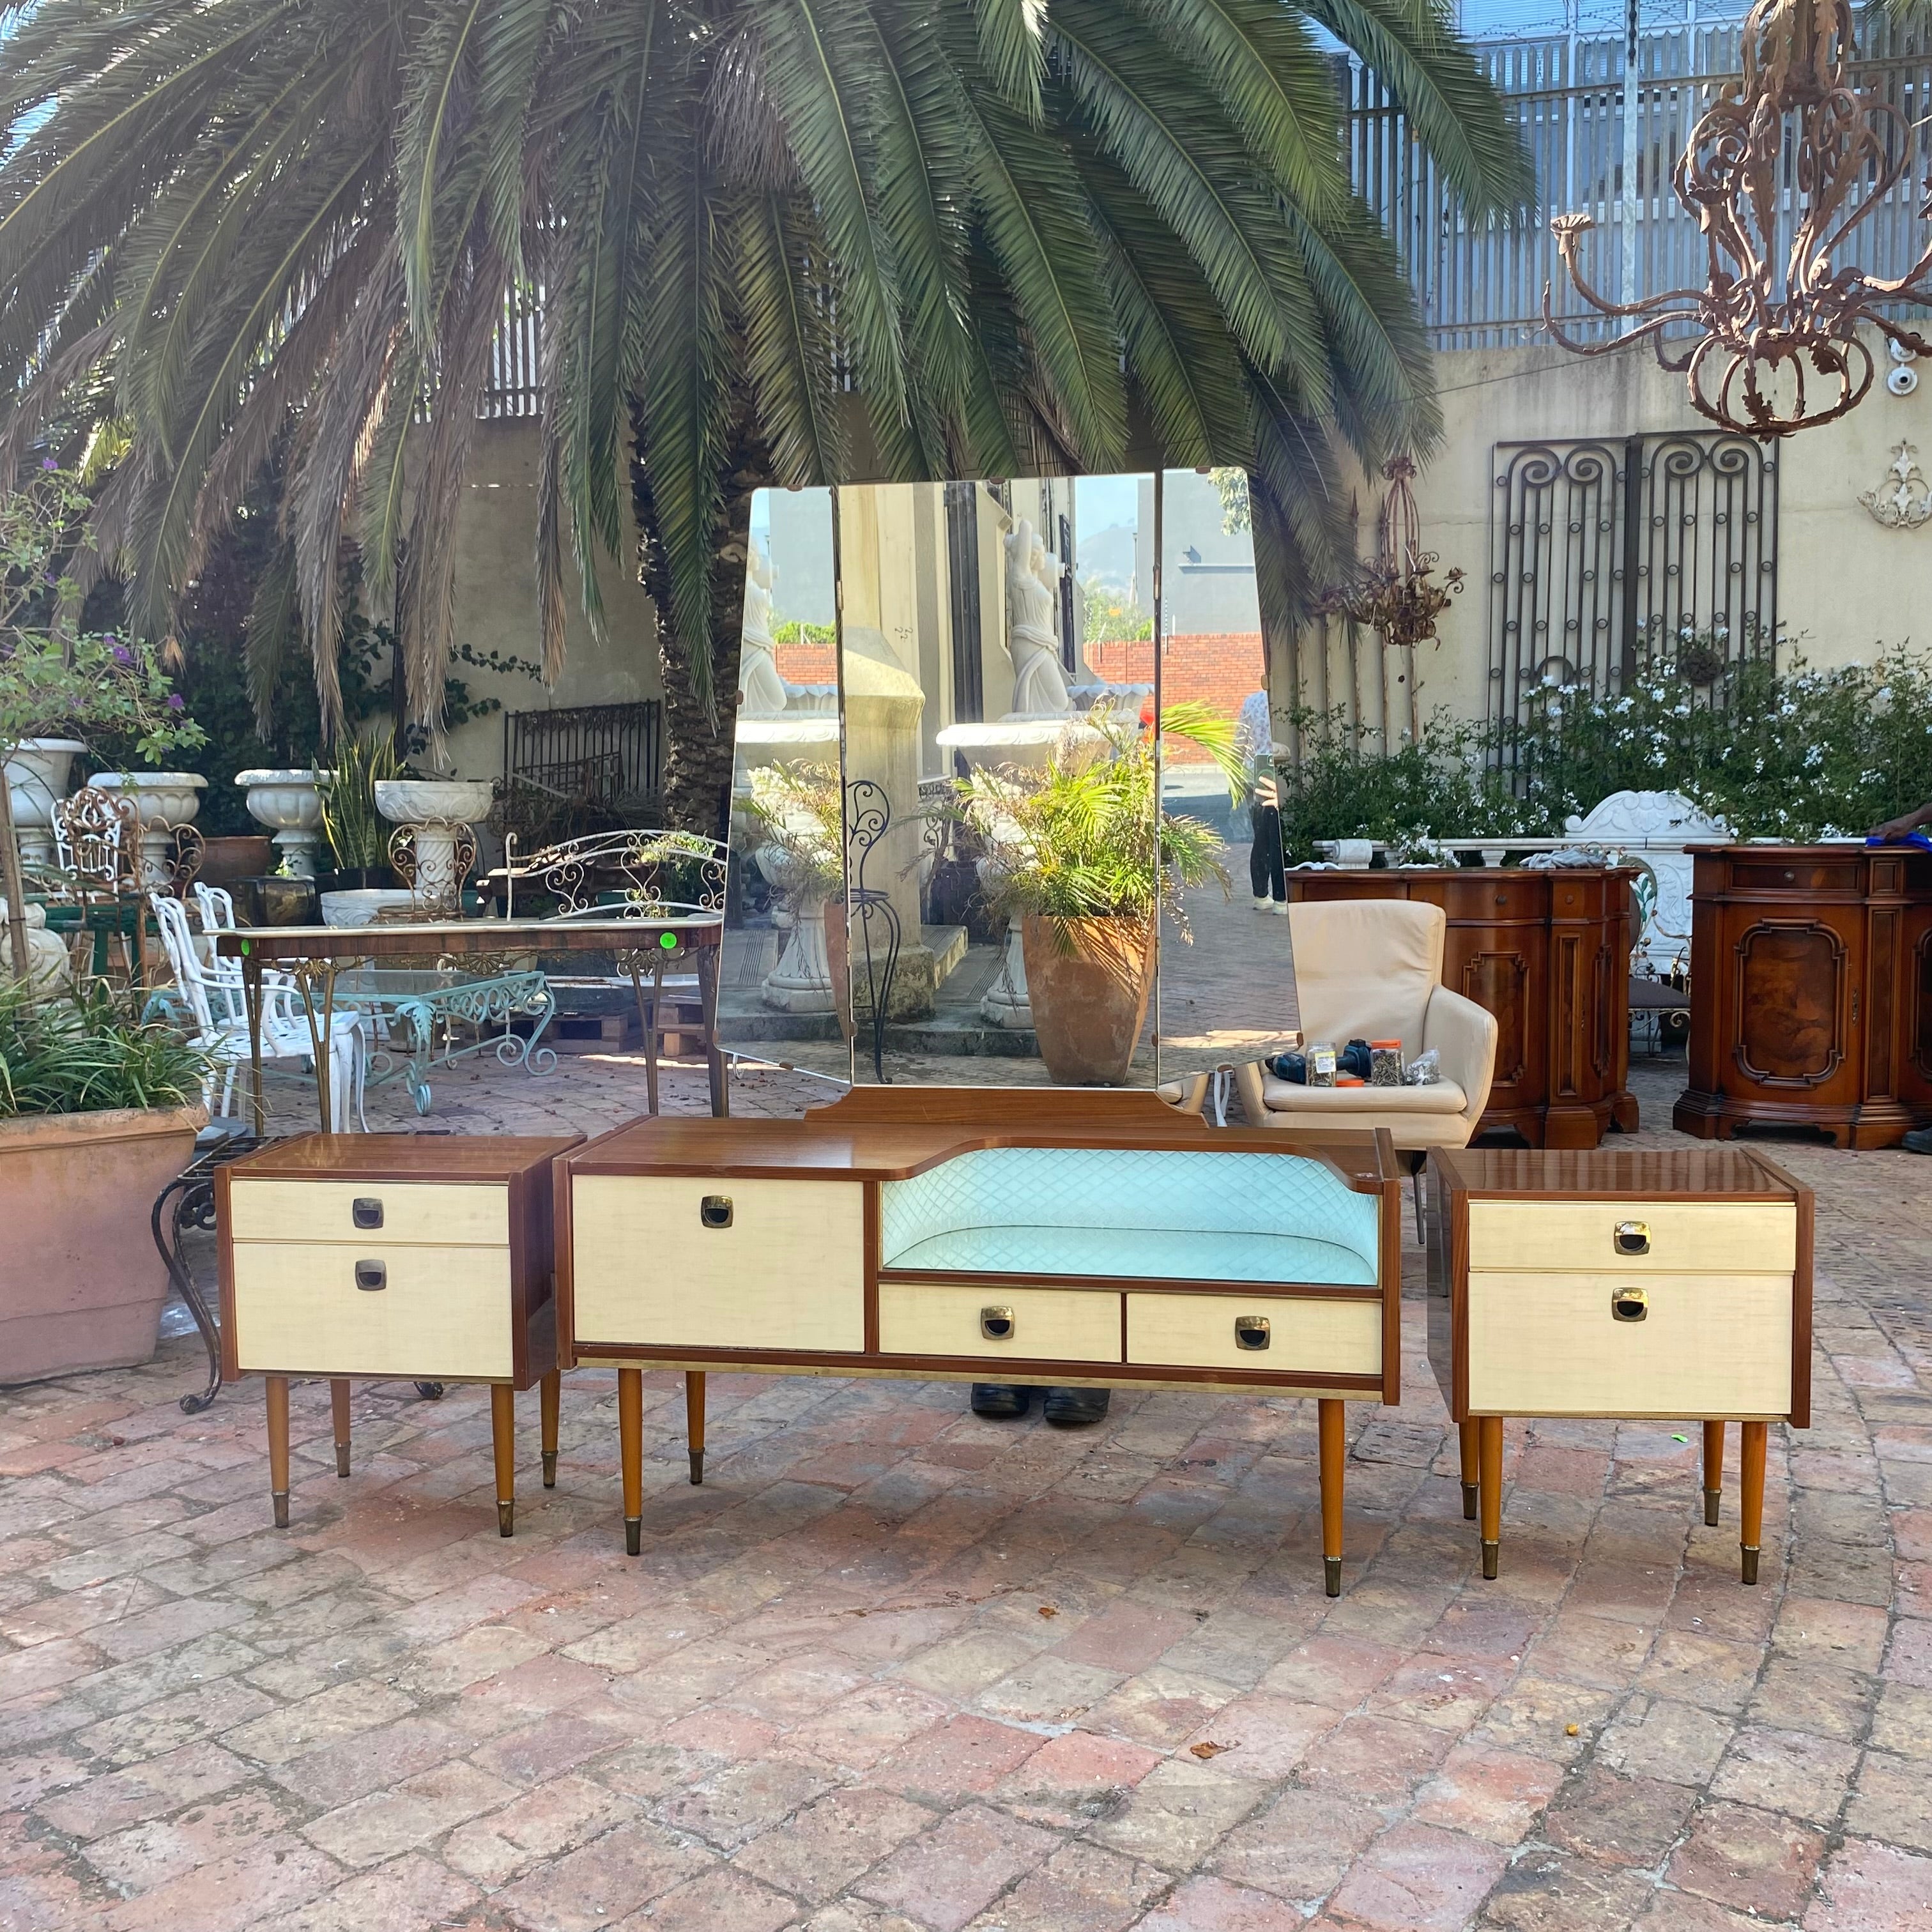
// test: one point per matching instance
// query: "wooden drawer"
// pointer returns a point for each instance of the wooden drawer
(1064, 1325)
(1574, 1237)
(443, 1312)
(1709, 1345)
(787, 1269)
(1305, 1336)
(443, 1213)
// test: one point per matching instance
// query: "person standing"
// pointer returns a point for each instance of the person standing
(1254, 745)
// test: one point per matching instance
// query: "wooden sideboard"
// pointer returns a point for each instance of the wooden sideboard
(1548, 953)
(1062, 1236)
(1810, 991)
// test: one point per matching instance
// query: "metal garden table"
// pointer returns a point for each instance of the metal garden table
(315, 957)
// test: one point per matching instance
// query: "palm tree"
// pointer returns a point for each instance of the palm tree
(286, 230)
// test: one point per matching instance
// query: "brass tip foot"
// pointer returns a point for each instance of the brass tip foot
(1713, 1502)
(1331, 1575)
(506, 1518)
(279, 1498)
(1749, 1563)
(550, 1469)
(1491, 1552)
(1468, 1502)
(633, 1535)
(342, 1459)
(698, 1465)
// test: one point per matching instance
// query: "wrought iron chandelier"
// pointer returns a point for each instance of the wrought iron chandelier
(1776, 347)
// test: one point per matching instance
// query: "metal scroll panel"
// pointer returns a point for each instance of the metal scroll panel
(1603, 553)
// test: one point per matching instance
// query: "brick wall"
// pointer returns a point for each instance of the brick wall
(807, 664)
(1218, 669)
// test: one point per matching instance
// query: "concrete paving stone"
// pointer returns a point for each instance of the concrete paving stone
(1177, 1813)
(1892, 1799)
(1868, 1887)
(592, 1888)
(1791, 1772)
(1737, 1854)
(830, 1842)
(1546, 1890)
(1212, 1905)
(731, 1807)
(723, 1900)
(1419, 1878)
(145, 1856)
(1081, 1888)
(945, 1876)
(402, 1815)
(1617, 1820)
(1487, 1793)
(1074, 1779)
(554, 1817)
(1661, 1737)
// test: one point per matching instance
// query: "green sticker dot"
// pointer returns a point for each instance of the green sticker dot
(668, 941)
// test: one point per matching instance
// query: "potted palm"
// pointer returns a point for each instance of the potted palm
(1082, 851)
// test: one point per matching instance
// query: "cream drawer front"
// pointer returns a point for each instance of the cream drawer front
(448, 1214)
(1683, 1237)
(1061, 1324)
(788, 1270)
(442, 1313)
(1708, 1345)
(1304, 1336)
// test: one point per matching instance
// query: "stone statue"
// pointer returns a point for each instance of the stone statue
(761, 690)
(1039, 684)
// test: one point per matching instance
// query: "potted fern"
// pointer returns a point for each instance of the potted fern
(1081, 850)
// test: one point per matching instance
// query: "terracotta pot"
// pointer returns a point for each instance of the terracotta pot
(81, 1285)
(1089, 997)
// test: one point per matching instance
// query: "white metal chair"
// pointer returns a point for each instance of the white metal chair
(213, 995)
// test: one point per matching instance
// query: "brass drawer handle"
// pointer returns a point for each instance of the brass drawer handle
(996, 1324)
(371, 1275)
(1251, 1331)
(1628, 1304)
(366, 1211)
(1631, 1237)
(714, 1210)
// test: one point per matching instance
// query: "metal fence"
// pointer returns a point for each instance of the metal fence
(605, 760)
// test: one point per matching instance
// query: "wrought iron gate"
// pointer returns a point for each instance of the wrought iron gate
(1602, 551)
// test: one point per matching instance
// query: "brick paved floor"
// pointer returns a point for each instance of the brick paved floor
(893, 1668)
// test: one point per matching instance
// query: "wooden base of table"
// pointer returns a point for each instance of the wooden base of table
(338, 1409)
(276, 1387)
(694, 1422)
(1333, 1431)
(549, 1391)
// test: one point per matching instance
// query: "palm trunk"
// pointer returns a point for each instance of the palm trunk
(13, 881)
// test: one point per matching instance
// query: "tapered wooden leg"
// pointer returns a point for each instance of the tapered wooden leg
(630, 1454)
(503, 1440)
(1490, 1479)
(1714, 1470)
(1467, 1433)
(1332, 1425)
(338, 1409)
(549, 1391)
(694, 1421)
(277, 1389)
(1750, 1499)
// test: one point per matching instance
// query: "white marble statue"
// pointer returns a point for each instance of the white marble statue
(1039, 684)
(761, 690)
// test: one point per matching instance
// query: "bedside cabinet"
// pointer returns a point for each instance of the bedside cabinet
(404, 1257)
(1674, 1285)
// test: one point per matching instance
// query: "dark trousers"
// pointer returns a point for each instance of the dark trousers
(1265, 863)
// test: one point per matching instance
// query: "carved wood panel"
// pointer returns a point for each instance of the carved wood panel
(1499, 982)
(1790, 987)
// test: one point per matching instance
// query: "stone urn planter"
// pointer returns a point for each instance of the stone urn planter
(438, 810)
(82, 1286)
(37, 776)
(162, 801)
(1088, 982)
(289, 804)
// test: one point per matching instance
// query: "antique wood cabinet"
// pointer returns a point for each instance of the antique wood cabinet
(1548, 953)
(1810, 991)
(399, 1256)
(1674, 1284)
(978, 1234)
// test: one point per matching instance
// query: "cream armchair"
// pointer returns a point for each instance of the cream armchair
(1372, 969)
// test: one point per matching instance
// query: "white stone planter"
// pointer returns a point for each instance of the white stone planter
(801, 982)
(289, 804)
(438, 809)
(162, 800)
(360, 906)
(36, 775)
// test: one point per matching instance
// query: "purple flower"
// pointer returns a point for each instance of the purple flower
(48, 463)
(176, 702)
(122, 655)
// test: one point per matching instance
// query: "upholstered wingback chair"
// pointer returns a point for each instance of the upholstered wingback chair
(1372, 969)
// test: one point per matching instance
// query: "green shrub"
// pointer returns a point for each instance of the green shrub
(80, 1050)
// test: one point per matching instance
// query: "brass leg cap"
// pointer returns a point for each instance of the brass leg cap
(506, 1518)
(1331, 1575)
(1749, 1563)
(342, 1459)
(633, 1535)
(1713, 1502)
(696, 1465)
(279, 1498)
(1491, 1552)
(1468, 1502)
(550, 1469)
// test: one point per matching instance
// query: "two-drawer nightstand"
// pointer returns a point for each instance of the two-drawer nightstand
(1674, 1284)
(397, 1256)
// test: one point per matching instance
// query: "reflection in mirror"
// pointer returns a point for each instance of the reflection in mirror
(977, 724)
(778, 1001)
(1228, 996)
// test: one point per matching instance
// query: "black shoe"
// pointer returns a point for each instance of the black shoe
(1001, 1401)
(1919, 1141)
(1067, 1406)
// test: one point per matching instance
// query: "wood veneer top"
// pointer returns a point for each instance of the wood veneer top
(403, 1157)
(1621, 1173)
(460, 936)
